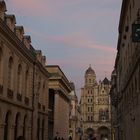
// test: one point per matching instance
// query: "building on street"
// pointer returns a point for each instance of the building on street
(59, 103)
(125, 91)
(95, 107)
(23, 83)
(75, 130)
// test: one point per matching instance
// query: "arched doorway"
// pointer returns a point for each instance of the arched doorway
(17, 125)
(90, 132)
(103, 133)
(7, 125)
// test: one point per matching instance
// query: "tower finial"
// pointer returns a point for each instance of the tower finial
(90, 65)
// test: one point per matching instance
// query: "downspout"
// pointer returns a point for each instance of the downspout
(33, 95)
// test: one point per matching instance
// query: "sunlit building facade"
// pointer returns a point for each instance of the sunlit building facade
(23, 84)
(95, 107)
(75, 125)
(59, 103)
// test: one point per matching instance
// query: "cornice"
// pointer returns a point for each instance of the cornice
(13, 39)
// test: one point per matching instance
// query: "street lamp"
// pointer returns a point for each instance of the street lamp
(79, 131)
(136, 29)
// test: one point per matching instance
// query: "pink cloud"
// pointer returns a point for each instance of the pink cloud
(78, 40)
(41, 7)
(31, 7)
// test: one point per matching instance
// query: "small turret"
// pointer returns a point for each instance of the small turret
(2, 9)
(10, 21)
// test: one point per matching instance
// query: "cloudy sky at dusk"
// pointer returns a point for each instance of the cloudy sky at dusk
(72, 33)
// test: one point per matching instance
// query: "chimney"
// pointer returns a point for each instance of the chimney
(10, 21)
(2, 9)
(27, 41)
(19, 30)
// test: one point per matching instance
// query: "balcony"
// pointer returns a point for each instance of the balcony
(19, 97)
(9, 93)
(43, 107)
(1, 89)
(26, 100)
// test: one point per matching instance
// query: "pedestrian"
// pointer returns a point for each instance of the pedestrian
(55, 138)
(70, 138)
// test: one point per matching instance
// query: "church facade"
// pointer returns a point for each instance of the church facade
(95, 107)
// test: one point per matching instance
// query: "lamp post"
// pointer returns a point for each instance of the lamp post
(136, 29)
(79, 132)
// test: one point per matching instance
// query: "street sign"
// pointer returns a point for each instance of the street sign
(135, 32)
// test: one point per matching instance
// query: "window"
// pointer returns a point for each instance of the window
(91, 100)
(88, 109)
(89, 80)
(103, 115)
(38, 128)
(6, 127)
(133, 3)
(130, 12)
(43, 127)
(10, 73)
(25, 126)
(88, 118)
(19, 79)
(17, 121)
(27, 83)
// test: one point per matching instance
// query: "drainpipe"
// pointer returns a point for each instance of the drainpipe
(33, 95)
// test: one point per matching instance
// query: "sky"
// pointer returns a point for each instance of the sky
(72, 33)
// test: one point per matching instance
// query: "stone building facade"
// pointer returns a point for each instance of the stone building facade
(95, 107)
(75, 116)
(127, 68)
(23, 83)
(59, 103)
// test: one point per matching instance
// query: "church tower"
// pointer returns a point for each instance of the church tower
(95, 106)
(88, 93)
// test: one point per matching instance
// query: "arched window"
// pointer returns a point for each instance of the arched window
(43, 124)
(88, 118)
(135, 84)
(38, 129)
(89, 80)
(7, 127)
(10, 73)
(27, 84)
(103, 115)
(44, 94)
(1, 66)
(17, 121)
(19, 79)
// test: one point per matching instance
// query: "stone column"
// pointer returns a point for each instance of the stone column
(11, 131)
